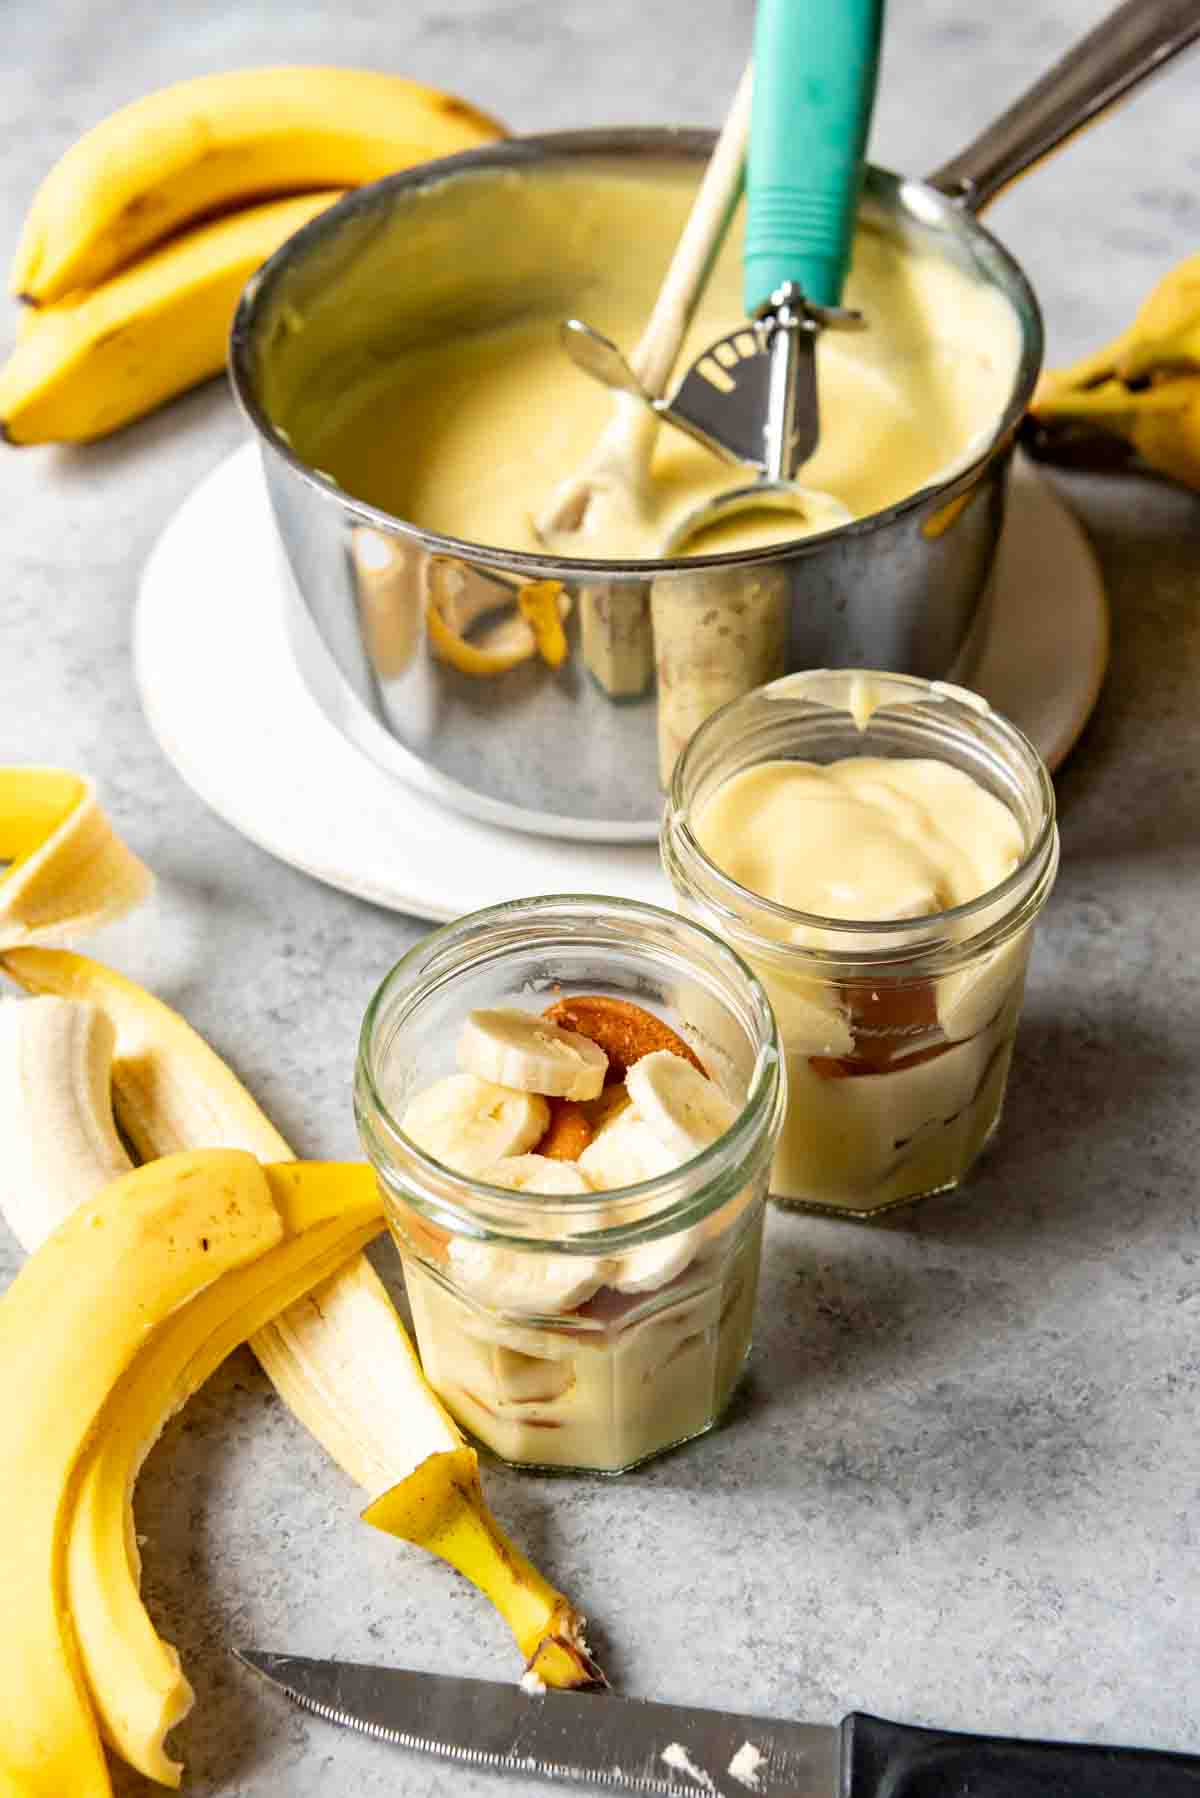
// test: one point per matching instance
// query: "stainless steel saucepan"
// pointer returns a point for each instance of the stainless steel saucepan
(555, 751)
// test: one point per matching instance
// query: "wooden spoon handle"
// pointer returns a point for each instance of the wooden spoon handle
(699, 241)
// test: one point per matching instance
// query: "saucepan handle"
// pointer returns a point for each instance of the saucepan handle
(890, 1760)
(1132, 43)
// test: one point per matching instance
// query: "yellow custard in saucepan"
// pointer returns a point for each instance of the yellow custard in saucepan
(468, 431)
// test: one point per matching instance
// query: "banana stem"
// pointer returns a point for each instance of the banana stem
(440, 1507)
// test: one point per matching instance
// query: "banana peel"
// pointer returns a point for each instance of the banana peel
(71, 1324)
(339, 1354)
(1141, 390)
(69, 872)
(328, 1211)
(534, 628)
(539, 603)
(339, 1357)
(497, 649)
(172, 1091)
(440, 1507)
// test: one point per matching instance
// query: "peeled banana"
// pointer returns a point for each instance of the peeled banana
(71, 1323)
(1142, 388)
(171, 1091)
(339, 1357)
(102, 357)
(68, 871)
(336, 1356)
(219, 141)
(58, 1141)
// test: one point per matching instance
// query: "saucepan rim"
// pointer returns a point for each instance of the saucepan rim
(919, 200)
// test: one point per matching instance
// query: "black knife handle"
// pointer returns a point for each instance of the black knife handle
(891, 1760)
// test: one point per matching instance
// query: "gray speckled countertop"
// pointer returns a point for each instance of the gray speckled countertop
(961, 1485)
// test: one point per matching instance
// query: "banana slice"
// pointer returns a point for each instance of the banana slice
(655, 1264)
(624, 1153)
(537, 1173)
(682, 1108)
(516, 1048)
(627, 1152)
(526, 1281)
(530, 1281)
(469, 1124)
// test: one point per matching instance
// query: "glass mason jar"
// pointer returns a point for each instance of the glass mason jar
(897, 1035)
(589, 1331)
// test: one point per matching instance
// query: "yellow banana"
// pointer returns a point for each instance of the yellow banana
(103, 357)
(1163, 338)
(328, 1212)
(1142, 388)
(339, 1357)
(1160, 421)
(69, 872)
(71, 1324)
(219, 141)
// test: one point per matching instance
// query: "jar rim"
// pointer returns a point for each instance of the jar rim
(662, 1205)
(724, 893)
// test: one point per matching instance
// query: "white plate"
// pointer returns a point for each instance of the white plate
(218, 643)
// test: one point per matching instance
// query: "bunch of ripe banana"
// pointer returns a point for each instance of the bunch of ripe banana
(1141, 391)
(140, 1281)
(140, 240)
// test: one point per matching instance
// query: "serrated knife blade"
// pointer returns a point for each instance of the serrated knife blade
(590, 1738)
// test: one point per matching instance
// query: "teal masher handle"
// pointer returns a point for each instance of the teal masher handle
(815, 68)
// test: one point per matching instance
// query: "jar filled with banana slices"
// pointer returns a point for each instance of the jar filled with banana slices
(572, 1105)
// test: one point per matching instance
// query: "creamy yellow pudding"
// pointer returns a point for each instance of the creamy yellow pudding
(468, 430)
(868, 837)
(895, 1078)
(580, 1356)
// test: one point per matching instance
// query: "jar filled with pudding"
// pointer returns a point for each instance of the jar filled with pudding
(878, 848)
(573, 1105)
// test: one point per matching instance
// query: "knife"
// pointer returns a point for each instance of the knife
(678, 1751)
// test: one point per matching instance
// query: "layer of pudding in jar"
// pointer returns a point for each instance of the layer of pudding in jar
(605, 1383)
(895, 1075)
(591, 1328)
